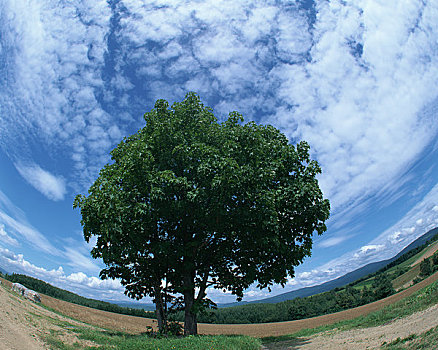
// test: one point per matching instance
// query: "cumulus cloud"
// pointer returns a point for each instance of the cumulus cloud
(368, 250)
(51, 186)
(77, 282)
(356, 79)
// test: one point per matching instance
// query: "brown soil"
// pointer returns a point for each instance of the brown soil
(134, 324)
(430, 251)
(283, 328)
(23, 324)
(366, 338)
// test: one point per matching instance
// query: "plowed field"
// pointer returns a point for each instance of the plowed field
(22, 323)
(133, 324)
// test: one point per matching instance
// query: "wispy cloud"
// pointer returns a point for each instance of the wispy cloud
(8, 207)
(29, 234)
(333, 241)
(5, 238)
(13, 220)
(80, 260)
(51, 186)
(420, 219)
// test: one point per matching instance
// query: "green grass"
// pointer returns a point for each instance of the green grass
(419, 301)
(104, 340)
(406, 277)
(427, 340)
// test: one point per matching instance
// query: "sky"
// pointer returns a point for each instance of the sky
(355, 79)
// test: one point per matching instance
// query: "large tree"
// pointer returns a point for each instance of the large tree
(189, 203)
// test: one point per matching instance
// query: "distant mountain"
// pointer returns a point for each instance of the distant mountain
(343, 280)
(3, 271)
(133, 305)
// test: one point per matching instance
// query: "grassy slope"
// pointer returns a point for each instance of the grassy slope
(65, 334)
(421, 300)
(400, 281)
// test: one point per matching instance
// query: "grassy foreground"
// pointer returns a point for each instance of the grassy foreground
(104, 340)
(427, 340)
(419, 301)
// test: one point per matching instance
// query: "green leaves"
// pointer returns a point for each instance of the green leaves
(190, 199)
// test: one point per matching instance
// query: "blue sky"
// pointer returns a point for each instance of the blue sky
(355, 79)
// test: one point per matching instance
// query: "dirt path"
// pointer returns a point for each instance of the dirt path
(137, 325)
(283, 328)
(366, 338)
(15, 333)
(23, 323)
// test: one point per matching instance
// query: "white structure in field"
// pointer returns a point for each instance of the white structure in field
(26, 292)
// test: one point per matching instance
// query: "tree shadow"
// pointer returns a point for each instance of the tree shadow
(292, 344)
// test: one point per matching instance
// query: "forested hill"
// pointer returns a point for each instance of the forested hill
(398, 274)
(350, 277)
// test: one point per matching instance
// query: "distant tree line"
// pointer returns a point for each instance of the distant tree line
(337, 299)
(300, 308)
(61, 294)
(427, 267)
(398, 261)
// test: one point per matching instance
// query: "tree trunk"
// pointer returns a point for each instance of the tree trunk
(160, 312)
(190, 323)
(160, 315)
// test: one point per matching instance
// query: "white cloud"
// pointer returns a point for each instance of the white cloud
(6, 239)
(420, 219)
(51, 186)
(79, 261)
(8, 207)
(31, 236)
(77, 282)
(358, 111)
(367, 250)
(310, 278)
(14, 220)
(49, 95)
(360, 85)
(333, 241)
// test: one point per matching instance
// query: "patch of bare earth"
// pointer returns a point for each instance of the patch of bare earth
(430, 251)
(24, 324)
(135, 325)
(366, 338)
(284, 328)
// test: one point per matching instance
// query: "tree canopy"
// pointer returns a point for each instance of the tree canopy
(189, 203)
